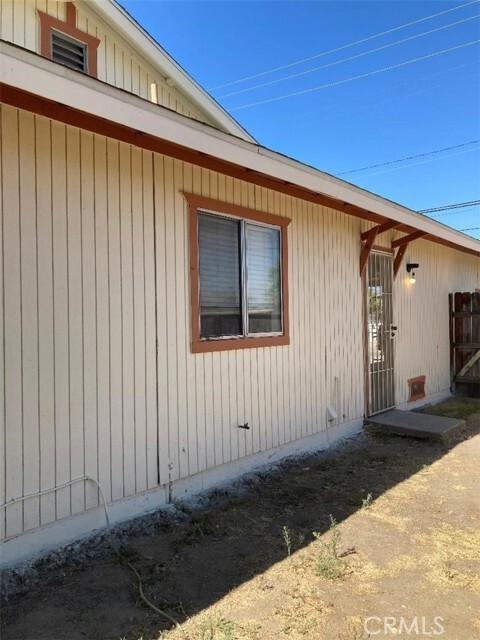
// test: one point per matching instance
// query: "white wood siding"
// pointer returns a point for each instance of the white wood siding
(91, 229)
(118, 63)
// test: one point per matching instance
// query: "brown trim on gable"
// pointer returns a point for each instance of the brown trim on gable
(76, 118)
(71, 10)
(195, 203)
(49, 23)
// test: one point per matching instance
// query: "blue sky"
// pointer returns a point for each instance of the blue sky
(415, 108)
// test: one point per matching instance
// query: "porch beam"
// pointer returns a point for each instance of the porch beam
(381, 228)
(407, 239)
(398, 259)
(367, 248)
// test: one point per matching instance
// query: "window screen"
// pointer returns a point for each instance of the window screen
(69, 52)
(263, 279)
(220, 276)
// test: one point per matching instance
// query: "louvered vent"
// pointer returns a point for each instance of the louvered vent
(69, 52)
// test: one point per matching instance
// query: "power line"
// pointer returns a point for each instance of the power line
(363, 75)
(414, 164)
(456, 205)
(345, 46)
(470, 229)
(420, 155)
(456, 212)
(302, 117)
(358, 55)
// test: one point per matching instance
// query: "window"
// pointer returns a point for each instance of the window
(238, 276)
(62, 42)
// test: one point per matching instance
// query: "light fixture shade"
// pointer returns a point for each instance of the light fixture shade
(411, 266)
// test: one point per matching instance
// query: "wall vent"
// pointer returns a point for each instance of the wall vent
(69, 52)
(417, 388)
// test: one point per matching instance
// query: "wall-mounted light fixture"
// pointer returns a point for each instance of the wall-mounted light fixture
(411, 266)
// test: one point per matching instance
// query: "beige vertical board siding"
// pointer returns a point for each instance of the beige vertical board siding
(421, 313)
(198, 365)
(102, 301)
(139, 337)
(2, 352)
(19, 30)
(183, 347)
(115, 319)
(118, 63)
(99, 374)
(127, 321)
(161, 318)
(289, 390)
(89, 302)
(61, 318)
(192, 422)
(6, 20)
(170, 302)
(249, 441)
(13, 320)
(75, 316)
(150, 320)
(28, 235)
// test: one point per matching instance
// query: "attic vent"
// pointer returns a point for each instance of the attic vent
(69, 52)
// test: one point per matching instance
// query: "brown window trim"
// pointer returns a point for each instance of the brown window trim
(195, 203)
(69, 28)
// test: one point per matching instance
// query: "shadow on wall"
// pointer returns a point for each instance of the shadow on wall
(192, 562)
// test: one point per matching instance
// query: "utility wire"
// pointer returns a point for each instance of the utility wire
(470, 229)
(302, 117)
(456, 205)
(460, 211)
(414, 164)
(345, 46)
(420, 155)
(363, 75)
(358, 55)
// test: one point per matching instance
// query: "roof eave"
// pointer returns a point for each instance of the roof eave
(152, 50)
(158, 128)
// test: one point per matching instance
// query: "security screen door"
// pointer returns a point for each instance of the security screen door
(380, 332)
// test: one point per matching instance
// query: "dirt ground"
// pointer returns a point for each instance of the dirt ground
(397, 525)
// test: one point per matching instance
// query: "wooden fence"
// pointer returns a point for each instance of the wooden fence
(465, 342)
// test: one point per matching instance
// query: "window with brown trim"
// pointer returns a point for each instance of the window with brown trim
(62, 42)
(239, 288)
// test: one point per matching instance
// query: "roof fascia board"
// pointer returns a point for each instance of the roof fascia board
(25, 70)
(109, 10)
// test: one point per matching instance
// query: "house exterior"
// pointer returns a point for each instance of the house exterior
(166, 282)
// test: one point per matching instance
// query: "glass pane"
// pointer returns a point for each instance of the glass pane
(219, 273)
(263, 279)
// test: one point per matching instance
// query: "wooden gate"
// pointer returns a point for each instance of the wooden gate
(465, 342)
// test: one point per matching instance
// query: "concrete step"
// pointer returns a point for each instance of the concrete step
(417, 425)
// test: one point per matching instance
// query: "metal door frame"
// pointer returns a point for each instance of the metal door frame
(388, 392)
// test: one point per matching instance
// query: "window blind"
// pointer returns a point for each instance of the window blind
(220, 276)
